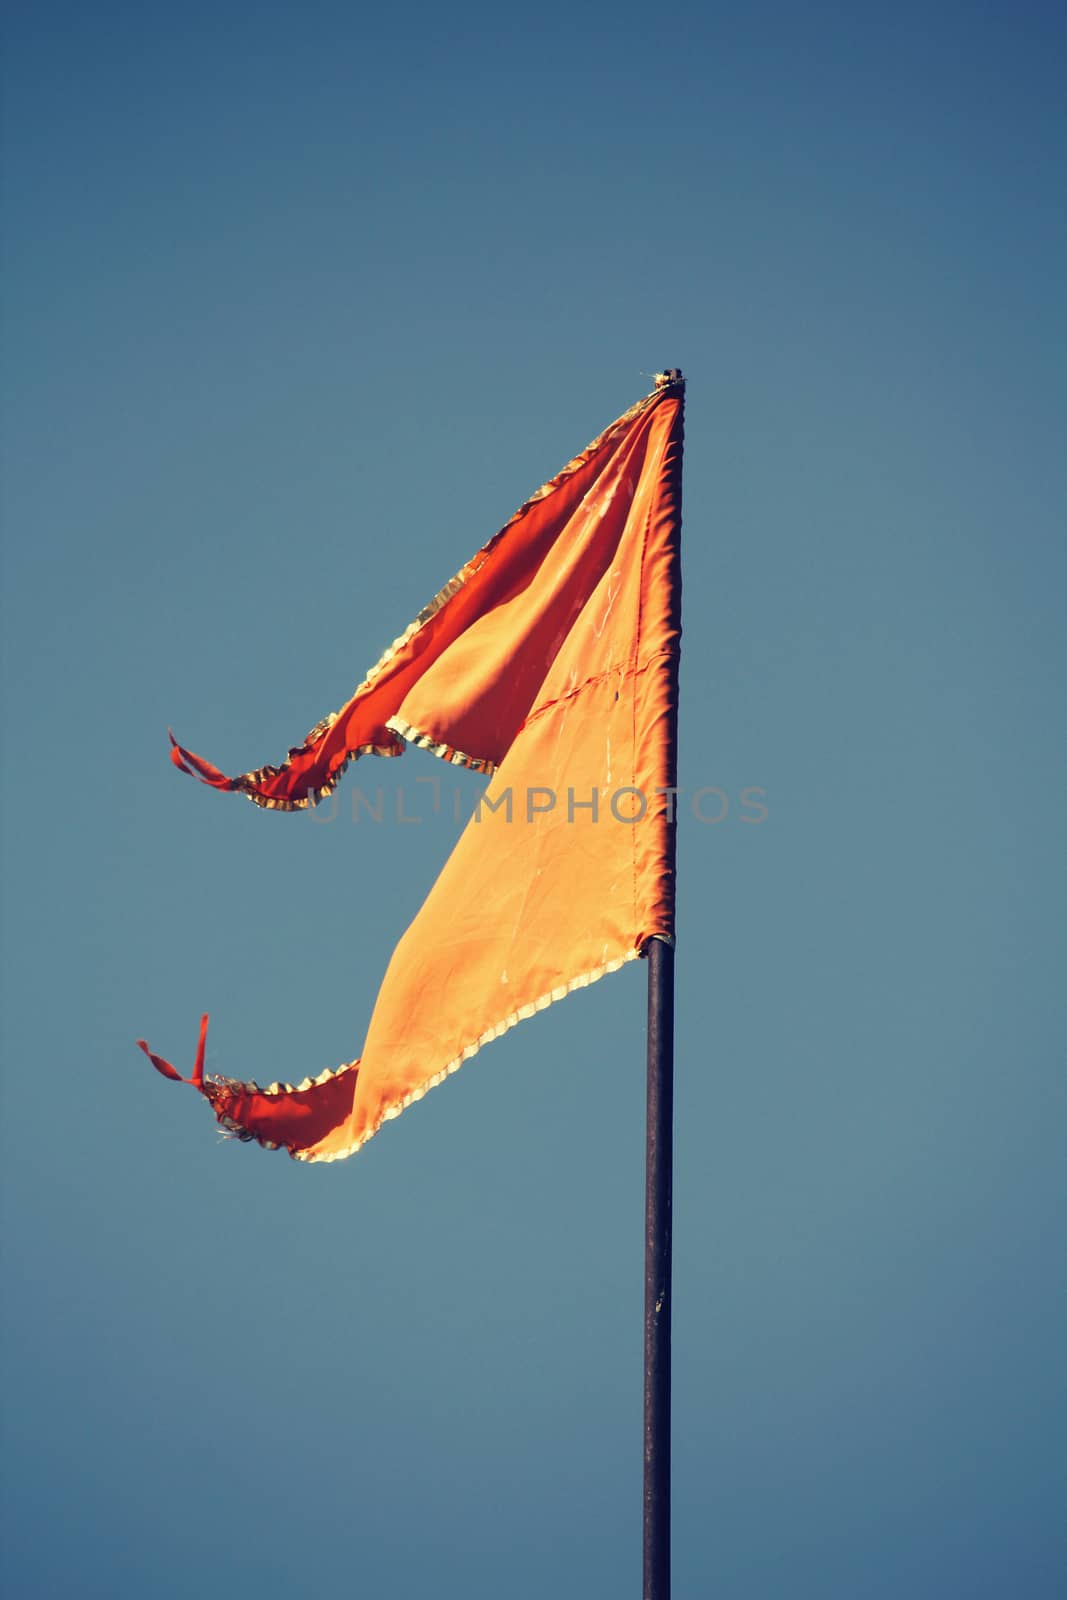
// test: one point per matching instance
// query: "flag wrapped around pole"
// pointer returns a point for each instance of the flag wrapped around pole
(550, 662)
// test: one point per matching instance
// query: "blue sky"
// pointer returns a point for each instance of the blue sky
(300, 304)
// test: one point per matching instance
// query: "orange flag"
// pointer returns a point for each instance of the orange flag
(551, 662)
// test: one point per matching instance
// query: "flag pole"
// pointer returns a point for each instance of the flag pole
(658, 1186)
(659, 1167)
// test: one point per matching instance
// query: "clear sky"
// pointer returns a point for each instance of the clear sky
(301, 302)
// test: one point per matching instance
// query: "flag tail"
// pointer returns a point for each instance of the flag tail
(283, 1116)
(169, 1071)
(196, 767)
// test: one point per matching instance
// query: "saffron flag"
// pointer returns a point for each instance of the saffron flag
(550, 661)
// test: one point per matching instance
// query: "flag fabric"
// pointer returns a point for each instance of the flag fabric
(550, 662)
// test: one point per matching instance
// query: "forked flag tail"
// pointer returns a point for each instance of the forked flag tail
(550, 662)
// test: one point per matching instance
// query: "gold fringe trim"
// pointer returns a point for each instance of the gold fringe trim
(424, 741)
(252, 1087)
(314, 796)
(243, 783)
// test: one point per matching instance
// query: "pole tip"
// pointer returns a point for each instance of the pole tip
(670, 375)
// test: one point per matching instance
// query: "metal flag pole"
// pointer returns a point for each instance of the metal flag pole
(658, 1184)
(659, 1165)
